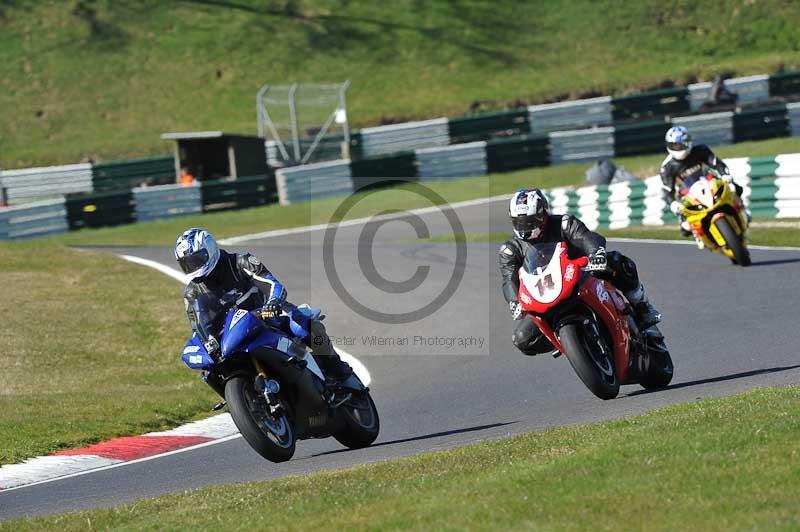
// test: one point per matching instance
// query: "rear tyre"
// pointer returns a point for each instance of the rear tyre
(270, 436)
(591, 359)
(361, 422)
(735, 243)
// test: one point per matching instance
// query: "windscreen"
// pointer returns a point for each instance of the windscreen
(539, 256)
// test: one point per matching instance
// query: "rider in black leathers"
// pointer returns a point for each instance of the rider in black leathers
(225, 279)
(537, 225)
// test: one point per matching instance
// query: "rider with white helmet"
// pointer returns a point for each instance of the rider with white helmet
(220, 280)
(532, 223)
(687, 162)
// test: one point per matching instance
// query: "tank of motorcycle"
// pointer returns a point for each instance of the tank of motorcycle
(240, 327)
(195, 355)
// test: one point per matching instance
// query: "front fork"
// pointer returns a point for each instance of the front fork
(269, 388)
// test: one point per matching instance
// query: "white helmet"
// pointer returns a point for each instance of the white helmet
(679, 142)
(196, 252)
(529, 213)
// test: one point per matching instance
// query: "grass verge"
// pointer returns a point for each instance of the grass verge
(232, 223)
(105, 78)
(715, 464)
(89, 349)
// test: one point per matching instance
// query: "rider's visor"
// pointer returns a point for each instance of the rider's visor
(677, 146)
(194, 261)
(528, 222)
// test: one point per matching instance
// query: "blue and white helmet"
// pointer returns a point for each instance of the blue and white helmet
(679, 142)
(529, 213)
(197, 252)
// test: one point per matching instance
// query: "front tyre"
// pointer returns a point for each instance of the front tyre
(361, 422)
(735, 242)
(270, 436)
(590, 357)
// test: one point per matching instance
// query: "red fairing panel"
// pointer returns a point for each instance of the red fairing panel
(609, 306)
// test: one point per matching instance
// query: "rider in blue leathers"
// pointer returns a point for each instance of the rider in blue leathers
(220, 280)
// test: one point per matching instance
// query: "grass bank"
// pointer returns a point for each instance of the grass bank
(718, 464)
(232, 223)
(90, 349)
(105, 78)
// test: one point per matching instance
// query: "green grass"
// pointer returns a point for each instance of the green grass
(232, 223)
(716, 464)
(104, 79)
(90, 349)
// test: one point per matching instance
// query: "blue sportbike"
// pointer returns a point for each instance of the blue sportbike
(274, 389)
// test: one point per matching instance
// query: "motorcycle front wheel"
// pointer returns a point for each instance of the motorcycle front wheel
(361, 422)
(270, 436)
(735, 243)
(591, 359)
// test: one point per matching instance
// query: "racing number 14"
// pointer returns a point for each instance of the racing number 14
(545, 283)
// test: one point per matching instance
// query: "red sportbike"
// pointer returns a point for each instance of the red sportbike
(587, 319)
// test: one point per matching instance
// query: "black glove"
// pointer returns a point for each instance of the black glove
(271, 309)
(598, 260)
(516, 309)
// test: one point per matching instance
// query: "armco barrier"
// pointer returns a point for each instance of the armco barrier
(100, 209)
(403, 137)
(118, 175)
(582, 145)
(458, 160)
(784, 84)
(526, 151)
(639, 137)
(153, 203)
(50, 181)
(570, 115)
(713, 129)
(653, 104)
(34, 219)
(750, 89)
(761, 123)
(793, 114)
(313, 181)
(488, 126)
(239, 193)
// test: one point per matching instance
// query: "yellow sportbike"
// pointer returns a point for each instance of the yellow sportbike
(716, 217)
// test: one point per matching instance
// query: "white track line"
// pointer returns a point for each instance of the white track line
(359, 221)
(687, 243)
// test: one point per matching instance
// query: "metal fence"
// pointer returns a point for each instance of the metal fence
(570, 115)
(404, 137)
(458, 160)
(153, 203)
(311, 181)
(712, 129)
(34, 219)
(29, 184)
(582, 145)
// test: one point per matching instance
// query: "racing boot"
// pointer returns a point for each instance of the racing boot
(685, 229)
(644, 313)
(326, 356)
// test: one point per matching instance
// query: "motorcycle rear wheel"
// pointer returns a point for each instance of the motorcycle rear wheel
(270, 436)
(361, 421)
(659, 370)
(735, 243)
(594, 367)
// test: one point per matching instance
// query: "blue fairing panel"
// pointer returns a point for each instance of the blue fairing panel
(195, 355)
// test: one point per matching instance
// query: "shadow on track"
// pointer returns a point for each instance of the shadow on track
(722, 378)
(426, 436)
(774, 262)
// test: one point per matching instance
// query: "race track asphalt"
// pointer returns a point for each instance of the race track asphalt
(729, 329)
